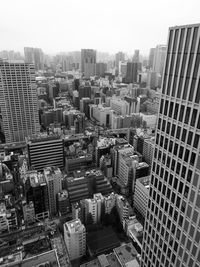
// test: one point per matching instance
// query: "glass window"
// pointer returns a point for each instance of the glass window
(181, 113)
(190, 136)
(196, 141)
(187, 115)
(186, 50)
(176, 111)
(194, 39)
(183, 137)
(197, 97)
(181, 40)
(194, 117)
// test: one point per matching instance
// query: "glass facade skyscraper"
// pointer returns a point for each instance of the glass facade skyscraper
(172, 226)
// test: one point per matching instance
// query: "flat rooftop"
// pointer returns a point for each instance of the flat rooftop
(102, 241)
(49, 257)
(126, 253)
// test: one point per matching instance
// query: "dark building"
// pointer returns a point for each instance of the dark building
(43, 152)
(131, 72)
(101, 68)
(84, 91)
(172, 227)
(36, 191)
(88, 62)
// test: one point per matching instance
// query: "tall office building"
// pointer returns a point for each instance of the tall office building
(88, 62)
(159, 58)
(18, 100)
(131, 72)
(151, 57)
(35, 56)
(136, 56)
(172, 227)
(120, 56)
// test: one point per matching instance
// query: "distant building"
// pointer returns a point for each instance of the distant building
(101, 68)
(136, 56)
(88, 62)
(75, 238)
(35, 56)
(131, 72)
(151, 57)
(120, 56)
(159, 58)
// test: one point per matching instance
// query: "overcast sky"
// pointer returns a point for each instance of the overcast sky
(104, 25)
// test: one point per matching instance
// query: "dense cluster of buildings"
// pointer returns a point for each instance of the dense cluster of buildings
(98, 152)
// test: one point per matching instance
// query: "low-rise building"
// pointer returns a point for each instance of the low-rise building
(141, 194)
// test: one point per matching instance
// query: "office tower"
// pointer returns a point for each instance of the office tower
(88, 62)
(131, 72)
(120, 56)
(101, 68)
(45, 151)
(53, 178)
(172, 228)
(159, 58)
(75, 238)
(35, 56)
(84, 91)
(151, 57)
(18, 101)
(136, 56)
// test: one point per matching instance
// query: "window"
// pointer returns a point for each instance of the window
(194, 116)
(196, 141)
(183, 137)
(187, 115)
(181, 113)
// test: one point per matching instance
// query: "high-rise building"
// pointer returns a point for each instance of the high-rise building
(131, 72)
(120, 56)
(35, 56)
(75, 238)
(88, 62)
(101, 68)
(159, 58)
(172, 227)
(151, 57)
(53, 178)
(18, 101)
(136, 56)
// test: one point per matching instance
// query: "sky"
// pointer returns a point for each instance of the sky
(104, 25)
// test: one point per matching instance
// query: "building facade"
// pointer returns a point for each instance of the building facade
(172, 227)
(18, 101)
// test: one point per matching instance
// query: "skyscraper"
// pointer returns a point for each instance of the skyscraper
(18, 100)
(35, 56)
(131, 72)
(120, 56)
(172, 227)
(159, 58)
(151, 57)
(88, 62)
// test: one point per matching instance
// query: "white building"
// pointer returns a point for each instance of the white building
(121, 107)
(141, 194)
(101, 114)
(75, 238)
(150, 119)
(109, 202)
(94, 206)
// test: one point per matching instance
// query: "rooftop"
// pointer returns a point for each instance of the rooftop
(127, 253)
(145, 181)
(74, 226)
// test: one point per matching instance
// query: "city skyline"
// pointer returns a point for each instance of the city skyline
(73, 25)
